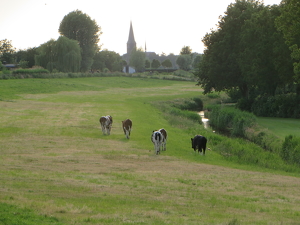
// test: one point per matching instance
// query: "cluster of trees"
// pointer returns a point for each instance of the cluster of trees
(150, 60)
(254, 52)
(77, 50)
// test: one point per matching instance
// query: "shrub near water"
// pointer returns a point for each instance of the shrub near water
(231, 120)
(290, 151)
(263, 150)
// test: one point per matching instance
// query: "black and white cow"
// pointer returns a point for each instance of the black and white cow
(164, 141)
(106, 124)
(127, 124)
(199, 142)
(157, 139)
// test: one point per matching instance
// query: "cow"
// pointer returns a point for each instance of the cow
(199, 142)
(164, 140)
(156, 139)
(127, 125)
(106, 123)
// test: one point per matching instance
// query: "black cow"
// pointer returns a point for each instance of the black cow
(199, 142)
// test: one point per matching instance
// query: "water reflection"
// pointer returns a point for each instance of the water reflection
(205, 121)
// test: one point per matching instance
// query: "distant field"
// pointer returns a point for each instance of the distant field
(281, 127)
(58, 168)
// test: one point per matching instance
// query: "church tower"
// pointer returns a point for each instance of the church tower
(131, 44)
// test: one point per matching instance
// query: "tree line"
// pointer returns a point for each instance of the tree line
(254, 56)
(78, 50)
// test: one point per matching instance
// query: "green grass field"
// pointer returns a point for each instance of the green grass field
(281, 127)
(58, 168)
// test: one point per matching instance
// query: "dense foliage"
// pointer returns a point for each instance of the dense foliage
(80, 27)
(291, 150)
(6, 51)
(289, 23)
(137, 60)
(231, 120)
(107, 60)
(63, 55)
(247, 55)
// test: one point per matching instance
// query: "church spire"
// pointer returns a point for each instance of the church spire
(131, 44)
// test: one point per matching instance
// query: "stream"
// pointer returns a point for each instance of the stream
(205, 121)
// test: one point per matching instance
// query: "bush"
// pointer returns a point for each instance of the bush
(285, 105)
(30, 71)
(290, 151)
(231, 120)
(264, 138)
(194, 104)
(245, 104)
(185, 113)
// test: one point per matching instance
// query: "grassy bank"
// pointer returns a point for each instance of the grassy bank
(57, 166)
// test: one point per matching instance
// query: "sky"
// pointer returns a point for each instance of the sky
(165, 26)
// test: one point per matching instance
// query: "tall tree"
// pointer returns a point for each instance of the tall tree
(45, 56)
(68, 55)
(79, 26)
(184, 62)
(155, 64)
(289, 23)
(219, 69)
(186, 50)
(7, 51)
(63, 55)
(264, 62)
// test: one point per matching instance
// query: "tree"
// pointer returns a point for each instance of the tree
(63, 55)
(155, 64)
(167, 63)
(45, 56)
(79, 26)
(107, 59)
(264, 62)
(219, 69)
(147, 64)
(6, 51)
(137, 60)
(184, 62)
(186, 50)
(27, 55)
(246, 53)
(196, 61)
(289, 23)
(67, 55)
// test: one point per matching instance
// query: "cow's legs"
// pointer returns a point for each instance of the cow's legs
(157, 148)
(103, 129)
(127, 133)
(108, 129)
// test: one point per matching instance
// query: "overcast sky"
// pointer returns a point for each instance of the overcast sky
(164, 25)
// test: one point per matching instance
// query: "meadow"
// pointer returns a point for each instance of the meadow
(58, 168)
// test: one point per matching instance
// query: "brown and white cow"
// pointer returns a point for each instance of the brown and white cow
(127, 125)
(164, 140)
(106, 124)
